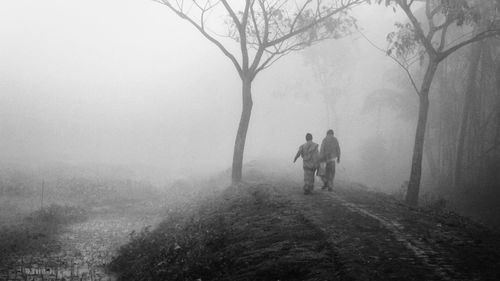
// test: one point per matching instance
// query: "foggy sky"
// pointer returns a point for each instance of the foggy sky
(127, 82)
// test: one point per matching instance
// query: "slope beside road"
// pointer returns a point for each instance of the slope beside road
(270, 230)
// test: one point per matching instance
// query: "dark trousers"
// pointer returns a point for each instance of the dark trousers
(309, 179)
(329, 175)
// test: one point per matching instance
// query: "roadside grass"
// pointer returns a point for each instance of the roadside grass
(244, 233)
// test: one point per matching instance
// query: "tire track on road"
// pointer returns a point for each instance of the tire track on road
(423, 251)
(366, 249)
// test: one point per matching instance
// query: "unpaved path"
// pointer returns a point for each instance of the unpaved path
(377, 238)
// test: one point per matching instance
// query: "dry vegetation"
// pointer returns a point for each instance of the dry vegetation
(270, 231)
(37, 232)
(248, 233)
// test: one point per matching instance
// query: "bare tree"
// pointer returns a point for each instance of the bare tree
(414, 42)
(265, 30)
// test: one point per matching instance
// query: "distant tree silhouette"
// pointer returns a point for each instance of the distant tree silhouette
(329, 65)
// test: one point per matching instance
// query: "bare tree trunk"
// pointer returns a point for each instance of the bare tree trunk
(416, 164)
(429, 155)
(239, 144)
(471, 86)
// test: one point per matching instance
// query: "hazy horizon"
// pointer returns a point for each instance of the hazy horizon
(128, 83)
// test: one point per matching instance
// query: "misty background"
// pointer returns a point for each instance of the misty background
(118, 122)
(126, 84)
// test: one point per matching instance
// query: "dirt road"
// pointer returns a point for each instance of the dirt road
(378, 238)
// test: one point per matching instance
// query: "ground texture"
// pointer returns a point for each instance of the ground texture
(268, 229)
(78, 250)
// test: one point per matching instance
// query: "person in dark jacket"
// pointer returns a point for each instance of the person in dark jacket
(330, 150)
(309, 153)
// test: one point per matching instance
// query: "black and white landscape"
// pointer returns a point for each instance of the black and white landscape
(155, 140)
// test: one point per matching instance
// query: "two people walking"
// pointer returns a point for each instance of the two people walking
(322, 161)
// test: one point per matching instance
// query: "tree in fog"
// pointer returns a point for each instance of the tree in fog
(394, 101)
(479, 106)
(328, 64)
(465, 133)
(395, 96)
(265, 30)
(429, 42)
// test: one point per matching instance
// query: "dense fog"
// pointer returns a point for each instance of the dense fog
(125, 83)
(161, 140)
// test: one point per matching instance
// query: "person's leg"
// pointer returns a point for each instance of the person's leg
(322, 173)
(305, 182)
(325, 182)
(308, 181)
(332, 176)
(306, 190)
(329, 171)
(313, 176)
(325, 177)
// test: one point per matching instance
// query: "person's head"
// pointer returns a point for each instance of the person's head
(309, 137)
(329, 132)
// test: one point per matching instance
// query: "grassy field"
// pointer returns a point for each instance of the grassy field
(35, 224)
(84, 220)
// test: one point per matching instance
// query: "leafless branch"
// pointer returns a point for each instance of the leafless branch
(402, 65)
(345, 4)
(183, 16)
(255, 25)
(442, 42)
(231, 13)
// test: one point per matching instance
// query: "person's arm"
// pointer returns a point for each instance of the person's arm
(298, 154)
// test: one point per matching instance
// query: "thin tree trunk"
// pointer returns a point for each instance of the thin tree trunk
(239, 144)
(469, 95)
(416, 164)
(429, 155)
